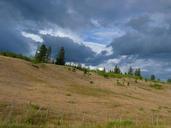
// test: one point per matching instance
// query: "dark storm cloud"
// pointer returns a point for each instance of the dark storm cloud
(77, 14)
(10, 36)
(133, 43)
(147, 37)
(148, 40)
(12, 41)
(74, 52)
(44, 11)
(30, 16)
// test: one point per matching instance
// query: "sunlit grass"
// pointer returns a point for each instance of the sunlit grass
(33, 116)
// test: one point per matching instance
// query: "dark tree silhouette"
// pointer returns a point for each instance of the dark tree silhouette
(48, 54)
(117, 70)
(153, 77)
(138, 72)
(130, 71)
(60, 59)
(41, 54)
(169, 80)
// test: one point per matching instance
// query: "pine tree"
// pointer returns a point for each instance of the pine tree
(41, 54)
(130, 71)
(138, 72)
(153, 77)
(104, 69)
(48, 54)
(79, 66)
(117, 70)
(60, 60)
(169, 80)
(85, 70)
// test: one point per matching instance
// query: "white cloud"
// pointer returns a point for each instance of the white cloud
(107, 34)
(34, 37)
(95, 22)
(111, 34)
(114, 61)
(109, 64)
(61, 32)
(98, 48)
(71, 11)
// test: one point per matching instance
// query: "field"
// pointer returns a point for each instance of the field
(51, 96)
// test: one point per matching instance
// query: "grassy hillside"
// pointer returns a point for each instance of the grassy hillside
(50, 96)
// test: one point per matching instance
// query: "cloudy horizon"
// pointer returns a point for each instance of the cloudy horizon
(94, 32)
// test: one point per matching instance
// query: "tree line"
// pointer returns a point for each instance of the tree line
(44, 55)
(131, 71)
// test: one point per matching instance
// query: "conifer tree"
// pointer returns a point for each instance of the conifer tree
(138, 72)
(117, 70)
(48, 54)
(104, 69)
(130, 71)
(60, 60)
(41, 54)
(153, 77)
(169, 80)
(79, 66)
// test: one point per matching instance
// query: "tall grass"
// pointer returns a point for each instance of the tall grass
(34, 116)
(22, 116)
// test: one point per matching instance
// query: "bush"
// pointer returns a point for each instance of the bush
(85, 71)
(74, 70)
(169, 80)
(156, 86)
(91, 82)
(35, 66)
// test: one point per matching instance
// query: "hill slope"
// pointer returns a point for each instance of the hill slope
(73, 98)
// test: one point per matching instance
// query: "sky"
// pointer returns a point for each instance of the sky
(97, 33)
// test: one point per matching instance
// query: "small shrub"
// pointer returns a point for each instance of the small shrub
(35, 66)
(136, 81)
(85, 71)
(156, 86)
(169, 80)
(91, 82)
(69, 69)
(128, 84)
(141, 109)
(106, 75)
(34, 106)
(74, 70)
(68, 94)
(119, 83)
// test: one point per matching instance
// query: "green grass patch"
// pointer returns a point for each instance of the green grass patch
(114, 75)
(14, 55)
(120, 124)
(156, 86)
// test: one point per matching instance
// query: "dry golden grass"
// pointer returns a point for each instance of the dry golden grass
(72, 97)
